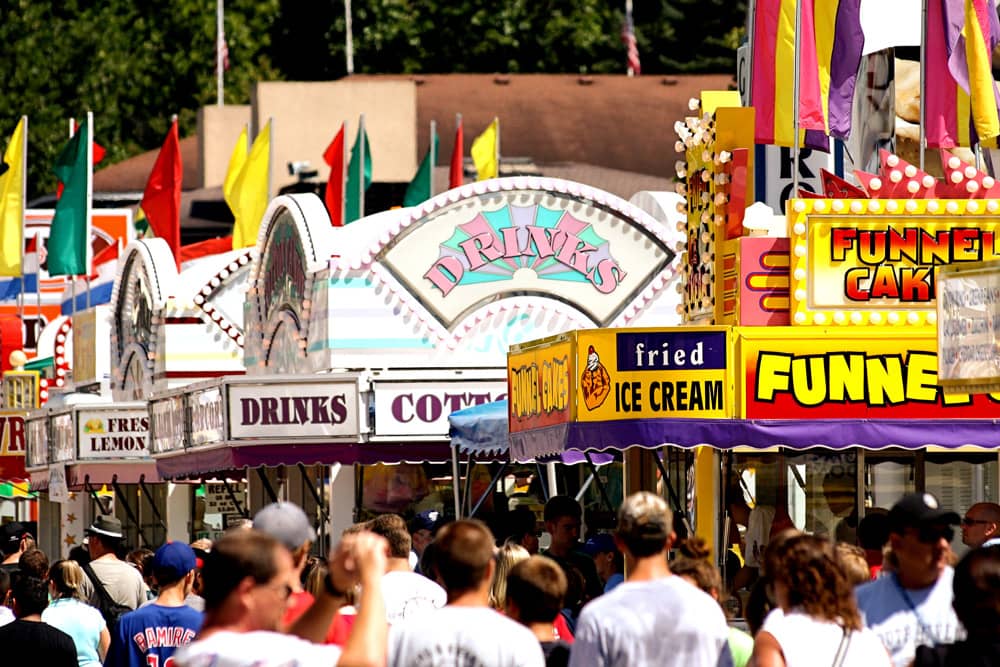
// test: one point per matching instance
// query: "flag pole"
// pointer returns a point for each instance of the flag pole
(89, 251)
(461, 150)
(220, 39)
(348, 37)
(628, 63)
(433, 155)
(923, 82)
(497, 121)
(361, 167)
(24, 199)
(795, 99)
(344, 166)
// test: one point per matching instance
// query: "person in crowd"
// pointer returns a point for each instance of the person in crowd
(654, 617)
(421, 529)
(248, 578)
(406, 593)
(74, 616)
(912, 606)
(506, 557)
(758, 605)
(854, 564)
(608, 561)
(535, 590)
(563, 521)
(151, 634)
(816, 621)
(123, 583)
(466, 630)
(34, 563)
(80, 555)
(6, 613)
(287, 523)
(523, 529)
(981, 526)
(142, 560)
(694, 563)
(873, 536)
(977, 605)
(29, 640)
(312, 575)
(200, 548)
(14, 541)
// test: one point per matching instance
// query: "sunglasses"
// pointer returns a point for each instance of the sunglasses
(969, 521)
(932, 534)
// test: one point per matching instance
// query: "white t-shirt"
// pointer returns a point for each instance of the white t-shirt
(469, 636)
(806, 641)
(664, 622)
(887, 612)
(6, 615)
(255, 649)
(407, 594)
(758, 534)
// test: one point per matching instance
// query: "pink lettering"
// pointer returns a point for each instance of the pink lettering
(479, 250)
(445, 273)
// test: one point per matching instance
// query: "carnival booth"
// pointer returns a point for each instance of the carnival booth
(806, 382)
(422, 303)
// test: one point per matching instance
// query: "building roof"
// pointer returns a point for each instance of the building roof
(130, 175)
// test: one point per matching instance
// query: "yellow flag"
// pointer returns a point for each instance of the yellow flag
(12, 204)
(484, 151)
(250, 191)
(236, 162)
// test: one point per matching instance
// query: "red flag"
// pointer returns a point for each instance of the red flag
(110, 253)
(455, 175)
(205, 248)
(98, 153)
(161, 200)
(334, 156)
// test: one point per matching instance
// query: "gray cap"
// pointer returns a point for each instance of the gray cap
(287, 523)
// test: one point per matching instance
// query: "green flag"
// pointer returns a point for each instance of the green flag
(421, 188)
(69, 233)
(361, 157)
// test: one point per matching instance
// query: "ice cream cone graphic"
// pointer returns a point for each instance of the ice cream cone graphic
(595, 381)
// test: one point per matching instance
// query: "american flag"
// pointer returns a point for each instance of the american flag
(628, 39)
(223, 53)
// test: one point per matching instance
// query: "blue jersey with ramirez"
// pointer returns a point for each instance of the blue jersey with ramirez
(148, 636)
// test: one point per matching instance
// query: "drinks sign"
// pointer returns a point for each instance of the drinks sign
(294, 410)
(113, 434)
(586, 247)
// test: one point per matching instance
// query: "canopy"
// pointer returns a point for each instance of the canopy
(758, 433)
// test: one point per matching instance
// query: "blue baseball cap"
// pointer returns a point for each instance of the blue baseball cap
(176, 558)
(599, 544)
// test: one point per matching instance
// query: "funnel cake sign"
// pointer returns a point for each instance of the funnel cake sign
(590, 249)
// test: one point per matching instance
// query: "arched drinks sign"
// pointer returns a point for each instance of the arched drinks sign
(517, 237)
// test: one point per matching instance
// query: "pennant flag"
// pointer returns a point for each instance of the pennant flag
(236, 162)
(161, 200)
(205, 248)
(631, 46)
(359, 176)
(98, 154)
(456, 175)
(334, 195)
(12, 202)
(421, 188)
(830, 49)
(250, 191)
(69, 236)
(484, 151)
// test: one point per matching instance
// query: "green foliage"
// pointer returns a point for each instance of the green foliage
(135, 64)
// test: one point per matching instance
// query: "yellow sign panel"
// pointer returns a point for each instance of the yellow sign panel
(638, 373)
(539, 385)
(875, 262)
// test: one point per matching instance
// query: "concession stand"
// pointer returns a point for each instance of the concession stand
(416, 308)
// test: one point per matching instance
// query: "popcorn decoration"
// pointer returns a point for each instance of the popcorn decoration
(963, 181)
(897, 179)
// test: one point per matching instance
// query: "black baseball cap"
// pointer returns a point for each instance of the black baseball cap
(919, 509)
(11, 534)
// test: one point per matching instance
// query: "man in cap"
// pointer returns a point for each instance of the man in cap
(123, 582)
(151, 634)
(607, 559)
(14, 539)
(287, 523)
(912, 606)
(654, 617)
(981, 526)
(247, 579)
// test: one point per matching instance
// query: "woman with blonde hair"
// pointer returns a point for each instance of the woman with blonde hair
(817, 621)
(76, 618)
(507, 556)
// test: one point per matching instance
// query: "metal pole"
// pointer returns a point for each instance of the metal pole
(433, 155)
(455, 487)
(550, 472)
(923, 83)
(497, 121)
(348, 37)
(220, 40)
(795, 99)
(361, 166)
(24, 198)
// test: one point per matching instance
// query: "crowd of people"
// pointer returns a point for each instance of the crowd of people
(431, 592)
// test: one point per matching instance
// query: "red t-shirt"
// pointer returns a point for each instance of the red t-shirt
(562, 629)
(298, 604)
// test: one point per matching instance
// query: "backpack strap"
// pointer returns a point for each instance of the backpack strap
(98, 586)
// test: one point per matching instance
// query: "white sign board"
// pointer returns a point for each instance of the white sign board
(219, 501)
(968, 305)
(778, 170)
(167, 422)
(422, 408)
(62, 438)
(208, 421)
(58, 490)
(112, 434)
(288, 411)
